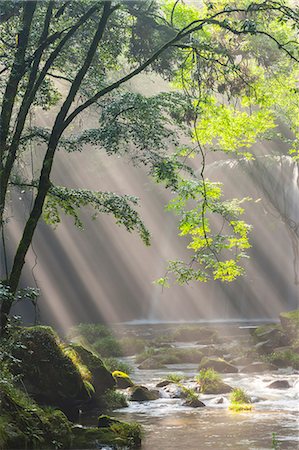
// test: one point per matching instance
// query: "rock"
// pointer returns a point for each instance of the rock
(219, 401)
(102, 379)
(218, 387)
(106, 421)
(290, 324)
(218, 364)
(151, 364)
(163, 383)
(242, 361)
(274, 337)
(194, 403)
(279, 384)
(47, 373)
(259, 367)
(118, 435)
(143, 394)
(123, 381)
(23, 421)
(174, 391)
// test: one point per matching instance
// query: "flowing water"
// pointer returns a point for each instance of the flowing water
(168, 425)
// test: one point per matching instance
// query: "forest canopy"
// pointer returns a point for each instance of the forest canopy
(232, 70)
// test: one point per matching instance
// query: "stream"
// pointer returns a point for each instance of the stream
(168, 425)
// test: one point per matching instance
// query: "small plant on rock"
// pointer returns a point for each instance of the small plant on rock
(207, 378)
(174, 377)
(240, 401)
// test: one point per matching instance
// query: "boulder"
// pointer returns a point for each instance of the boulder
(279, 384)
(106, 421)
(174, 391)
(123, 381)
(46, 372)
(242, 361)
(218, 364)
(259, 367)
(163, 383)
(217, 387)
(143, 394)
(290, 324)
(102, 379)
(118, 435)
(151, 364)
(24, 424)
(193, 403)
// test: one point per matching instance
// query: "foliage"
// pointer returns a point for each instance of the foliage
(70, 200)
(189, 393)
(174, 377)
(107, 346)
(275, 442)
(113, 364)
(89, 331)
(207, 378)
(239, 401)
(112, 399)
(132, 345)
(287, 357)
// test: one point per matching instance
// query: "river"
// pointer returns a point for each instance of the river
(168, 425)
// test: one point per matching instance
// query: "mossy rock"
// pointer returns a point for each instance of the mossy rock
(151, 364)
(123, 381)
(23, 424)
(102, 379)
(290, 324)
(46, 372)
(218, 364)
(217, 387)
(143, 394)
(105, 421)
(121, 434)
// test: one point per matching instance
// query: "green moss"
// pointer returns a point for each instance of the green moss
(47, 372)
(23, 424)
(121, 434)
(101, 378)
(293, 315)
